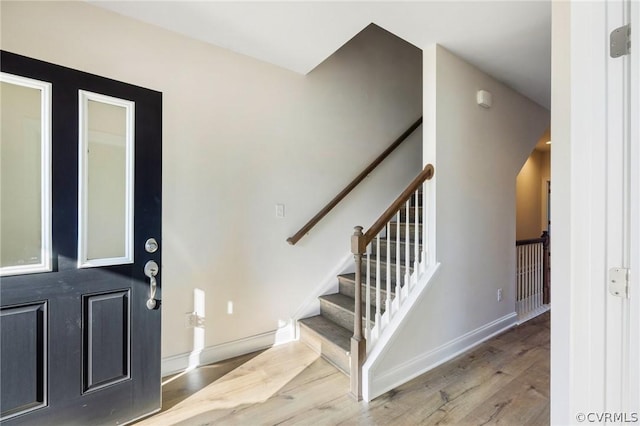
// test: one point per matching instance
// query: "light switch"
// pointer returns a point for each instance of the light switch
(280, 210)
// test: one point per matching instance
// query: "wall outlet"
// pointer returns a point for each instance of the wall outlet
(499, 295)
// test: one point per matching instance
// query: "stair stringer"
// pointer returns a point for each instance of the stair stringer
(386, 339)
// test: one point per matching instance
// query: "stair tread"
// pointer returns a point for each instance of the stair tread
(394, 230)
(340, 300)
(330, 331)
(347, 303)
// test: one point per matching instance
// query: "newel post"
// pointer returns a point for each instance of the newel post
(358, 342)
(546, 272)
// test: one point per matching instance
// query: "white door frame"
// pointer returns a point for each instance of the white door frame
(595, 212)
(618, 209)
(633, 386)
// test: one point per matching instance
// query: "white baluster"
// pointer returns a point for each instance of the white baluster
(387, 306)
(526, 279)
(424, 226)
(540, 277)
(529, 278)
(534, 266)
(407, 248)
(416, 236)
(518, 280)
(534, 271)
(533, 276)
(367, 309)
(541, 272)
(522, 279)
(398, 260)
(378, 298)
(524, 284)
(534, 280)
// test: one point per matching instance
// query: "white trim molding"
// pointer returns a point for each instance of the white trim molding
(632, 387)
(190, 360)
(533, 314)
(45, 177)
(83, 178)
(390, 379)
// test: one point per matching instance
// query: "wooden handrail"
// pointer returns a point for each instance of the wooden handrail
(530, 241)
(326, 209)
(425, 174)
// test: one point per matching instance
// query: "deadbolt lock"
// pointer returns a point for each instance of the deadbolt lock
(151, 245)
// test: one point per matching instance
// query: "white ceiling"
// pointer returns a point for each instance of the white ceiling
(511, 40)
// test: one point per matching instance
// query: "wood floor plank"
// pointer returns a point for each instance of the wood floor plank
(518, 403)
(502, 381)
(252, 383)
(176, 387)
(463, 396)
(543, 417)
(314, 387)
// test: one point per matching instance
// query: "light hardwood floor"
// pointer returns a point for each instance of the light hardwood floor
(503, 381)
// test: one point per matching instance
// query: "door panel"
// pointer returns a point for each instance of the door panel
(79, 345)
(24, 344)
(106, 351)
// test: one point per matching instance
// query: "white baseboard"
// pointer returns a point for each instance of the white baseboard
(387, 380)
(190, 360)
(526, 316)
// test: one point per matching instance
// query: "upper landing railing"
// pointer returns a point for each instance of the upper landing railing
(532, 276)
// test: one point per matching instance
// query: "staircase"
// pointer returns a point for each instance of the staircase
(329, 334)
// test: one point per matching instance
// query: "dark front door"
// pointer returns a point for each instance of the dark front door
(80, 208)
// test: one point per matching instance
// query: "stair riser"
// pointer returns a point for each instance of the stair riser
(412, 215)
(332, 353)
(393, 231)
(338, 315)
(383, 269)
(348, 289)
(383, 281)
(392, 250)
